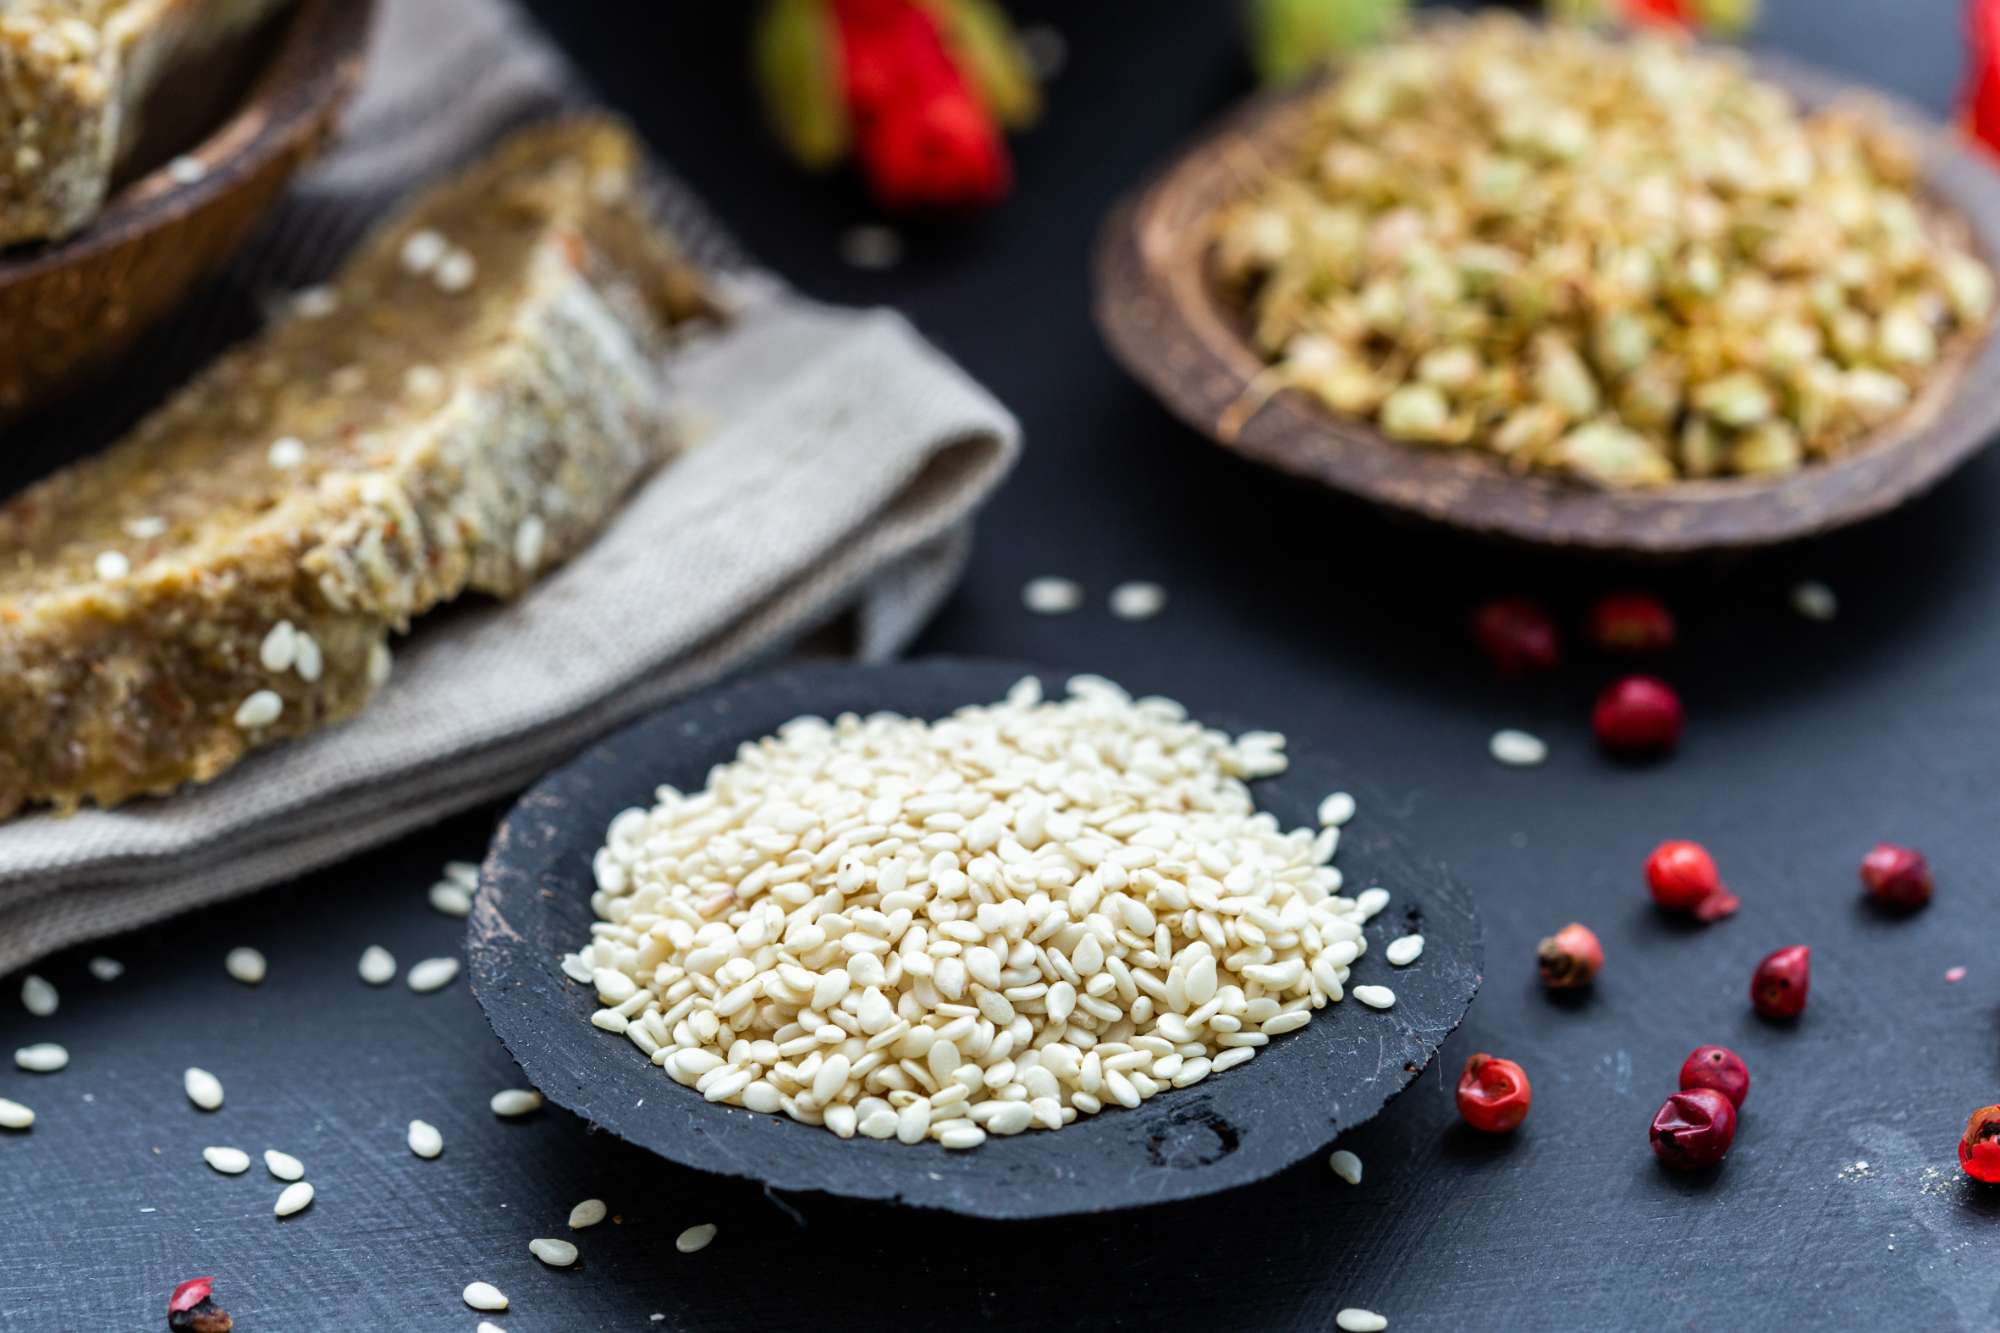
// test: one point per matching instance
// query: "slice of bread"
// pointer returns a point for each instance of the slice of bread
(461, 410)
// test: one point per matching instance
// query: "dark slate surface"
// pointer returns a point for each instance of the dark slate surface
(1287, 1104)
(1807, 743)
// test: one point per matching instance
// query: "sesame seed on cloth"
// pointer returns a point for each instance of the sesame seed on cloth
(1346, 1165)
(1517, 749)
(245, 965)
(992, 923)
(229, 1161)
(106, 969)
(38, 996)
(13, 1115)
(450, 898)
(293, 1198)
(1138, 600)
(555, 1253)
(203, 1089)
(377, 966)
(1353, 1320)
(695, 1238)
(425, 1140)
(1050, 596)
(1336, 809)
(483, 1296)
(432, 974)
(283, 1165)
(511, 1102)
(1404, 950)
(44, 1057)
(587, 1214)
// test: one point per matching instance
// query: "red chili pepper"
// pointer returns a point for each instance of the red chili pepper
(1694, 1129)
(1632, 622)
(1493, 1094)
(1778, 987)
(1979, 1150)
(1897, 876)
(1719, 1068)
(1638, 715)
(1516, 635)
(1982, 92)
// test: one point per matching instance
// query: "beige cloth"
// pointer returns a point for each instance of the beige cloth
(837, 460)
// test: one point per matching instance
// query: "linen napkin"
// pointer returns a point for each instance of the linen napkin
(834, 463)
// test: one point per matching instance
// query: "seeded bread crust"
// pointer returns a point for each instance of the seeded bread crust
(416, 431)
(72, 76)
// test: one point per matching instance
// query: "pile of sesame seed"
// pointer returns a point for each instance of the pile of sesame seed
(1001, 920)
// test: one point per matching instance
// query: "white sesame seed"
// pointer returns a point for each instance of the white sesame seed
(960, 1135)
(43, 1057)
(1353, 1320)
(456, 271)
(186, 170)
(310, 660)
(432, 974)
(13, 1115)
(463, 873)
(1052, 596)
(286, 453)
(246, 965)
(695, 1238)
(1815, 601)
(425, 1139)
(1346, 1165)
(280, 647)
(488, 1326)
(260, 709)
(1404, 951)
(229, 1161)
(145, 527)
(421, 381)
(512, 1102)
(871, 246)
(378, 965)
(484, 1296)
(283, 1165)
(1138, 601)
(422, 249)
(106, 969)
(529, 539)
(1336, 810)
(293, 1198)
(1517, 749)
(380, 663)
(315, 302)
(555, 1253)
(587, 1214)
(450, 898)
(1375, 997)
(203, 1088)
(38, 997)
(1371, 903)
(111, 565)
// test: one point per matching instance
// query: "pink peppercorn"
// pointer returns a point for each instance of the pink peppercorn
(1694, 1129)
(1719, 1068)
(1638, 715)
(1570, 958)
(1897, 877)
(1778, 987)
(1979, 1150)
(1631, 622)
(1516, 635)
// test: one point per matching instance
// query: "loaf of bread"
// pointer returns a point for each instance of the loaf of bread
(460, 410)
(73, 74)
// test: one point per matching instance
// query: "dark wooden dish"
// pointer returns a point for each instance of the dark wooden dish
(67, 307)
(1239, 1126)
(1170, 327)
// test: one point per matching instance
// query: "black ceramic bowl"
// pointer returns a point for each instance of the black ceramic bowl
(1236, 1127)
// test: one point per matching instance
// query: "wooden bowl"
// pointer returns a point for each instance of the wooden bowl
(67, 307)
(1171, 327)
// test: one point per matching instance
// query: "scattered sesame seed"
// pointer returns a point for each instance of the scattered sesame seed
(229, 1161)
(1375, 997)
(283, 1165)
(1045, 49)
(286, 452)
(1138, 601)
(422, 249)
(310, 661)
(555, 1253)
(38, 997)
(1355, 1320)
(425, 1140)
(293, 1198)
(43, 1057)
(1052, 596)
(1815, 601)
(203, 1088)
(488, 1326)
(1517, 749)
(869, 245)
(106, 969)
(450, 898)
(246, 965)
(695, 1238)
(111, 565)
(378, 965)
(484, 1296)
(456, 271)
(432, 974)
(1955, 975)
(280, 647)
(1346, 1165)
(1404, 951)
(13, 1115)
(423, 382)
(145, 527)
(380, 663)
(260, 709)
(186, 170)
(1371, 902)
(529, 539)
(512, 1102)
(1336, 810)
(463, 873)
(587, 1214)
(315, 302)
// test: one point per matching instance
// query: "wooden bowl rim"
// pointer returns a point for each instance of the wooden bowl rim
(1173, 331)
(315, 68)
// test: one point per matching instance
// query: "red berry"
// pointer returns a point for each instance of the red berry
(1638, 715)
(1979, 1150)
(1694, 1129)
(1719, 1068)
(191, 1308)
(1493, 1094)
(1570, 958)
(1778, 988)
(190, 1294)
(1517, 635)
(1631, 622)
(1682, 875)
(1897, 876)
